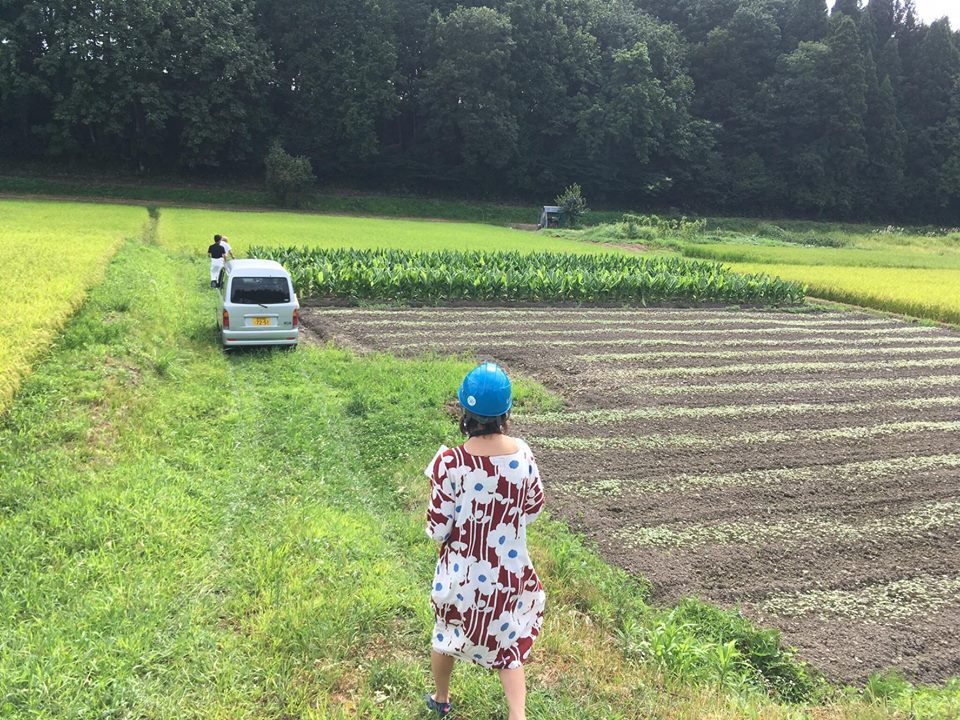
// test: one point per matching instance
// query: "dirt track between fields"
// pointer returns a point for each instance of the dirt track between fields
(803, 467)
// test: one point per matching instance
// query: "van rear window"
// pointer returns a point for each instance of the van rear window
(260, 291)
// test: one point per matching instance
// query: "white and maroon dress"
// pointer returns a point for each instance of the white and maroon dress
(486, 596)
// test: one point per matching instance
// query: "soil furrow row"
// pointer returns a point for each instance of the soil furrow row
(905, 333)
(788, 482)
(563, 466)
(621, 443)
(823, 387)
(919, 521)
(906, 598)
(482, 328)
(606, 417)
(692, 425)
(781, 367)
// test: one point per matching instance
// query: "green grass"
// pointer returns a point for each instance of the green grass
(192, 535)
(52, 252)
(192, 231)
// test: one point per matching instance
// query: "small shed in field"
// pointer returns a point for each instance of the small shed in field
(551, 217)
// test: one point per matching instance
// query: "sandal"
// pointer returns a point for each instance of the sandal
(441, 709)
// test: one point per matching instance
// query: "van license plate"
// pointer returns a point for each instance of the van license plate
(261, 322)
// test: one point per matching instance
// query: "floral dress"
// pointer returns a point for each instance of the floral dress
(487, 598)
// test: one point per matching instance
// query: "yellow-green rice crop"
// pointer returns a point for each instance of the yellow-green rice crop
(51, 253)
(193, 230)
(933, 294)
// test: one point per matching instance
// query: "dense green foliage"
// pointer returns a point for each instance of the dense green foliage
(400, 275)
(573, 204)
(742, 105)
(289, 178)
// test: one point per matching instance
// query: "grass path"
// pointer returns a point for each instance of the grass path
(185, 534)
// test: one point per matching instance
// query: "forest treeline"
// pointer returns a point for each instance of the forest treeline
(748, 106)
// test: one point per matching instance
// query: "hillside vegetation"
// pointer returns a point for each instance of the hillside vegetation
(732, 105)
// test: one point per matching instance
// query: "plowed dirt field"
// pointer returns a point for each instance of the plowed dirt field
(805, 467)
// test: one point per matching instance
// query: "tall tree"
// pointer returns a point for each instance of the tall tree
(846, 7)
(335, 62)
(147, 81)
(807, 22)
(929, 97)
(467, 92)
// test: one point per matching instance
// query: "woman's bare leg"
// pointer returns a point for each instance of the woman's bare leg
(515, 688)
(442, 666)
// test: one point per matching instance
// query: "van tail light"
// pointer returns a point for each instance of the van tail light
(226, 320)
(296, 317)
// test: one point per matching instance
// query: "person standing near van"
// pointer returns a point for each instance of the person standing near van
(216, 252)
(226, 246)
(487, 599)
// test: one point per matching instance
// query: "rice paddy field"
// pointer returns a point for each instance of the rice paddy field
(801, 467)
(925, 293)
(52, 253)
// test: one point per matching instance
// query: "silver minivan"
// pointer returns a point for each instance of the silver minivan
(257, 304)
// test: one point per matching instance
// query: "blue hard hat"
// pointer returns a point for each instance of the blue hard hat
(486, 391)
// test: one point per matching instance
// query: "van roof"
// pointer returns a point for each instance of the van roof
(257, 268)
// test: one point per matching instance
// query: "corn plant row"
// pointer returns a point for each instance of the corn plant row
(864, 472)
(608, 417)
(759, 437)
(437, 277)
(625, 312)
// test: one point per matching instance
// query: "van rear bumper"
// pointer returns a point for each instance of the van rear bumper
(236, 338)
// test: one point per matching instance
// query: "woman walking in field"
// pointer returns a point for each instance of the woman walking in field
(487, 598)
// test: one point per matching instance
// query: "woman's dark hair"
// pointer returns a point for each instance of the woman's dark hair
(475, 426)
